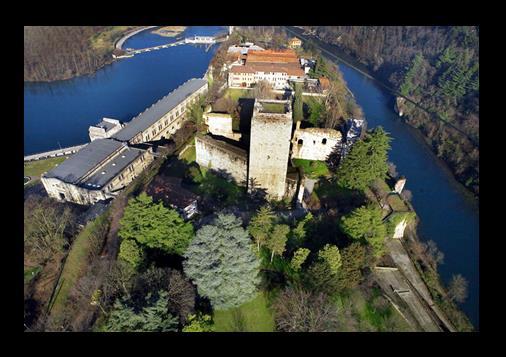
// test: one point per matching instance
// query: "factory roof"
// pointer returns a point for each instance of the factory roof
(85, 160)
(152, 114)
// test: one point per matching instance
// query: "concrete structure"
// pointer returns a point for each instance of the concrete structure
(96, 172)
(105, 166)
(399, 185)
(228, 160)
(294, 42)
(221, 124)
(164, 117)
(400, 228)
(54, 153)
(271, 131)
(243, 48)
(315, 143)
(105, 129)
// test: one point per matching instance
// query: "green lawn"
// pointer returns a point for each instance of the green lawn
(277, 108)
(312, 168)
(396, 203)
(235, 93)
(253, 316)
(38, 167)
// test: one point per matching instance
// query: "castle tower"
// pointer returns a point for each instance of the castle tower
(271, 131)
(230, 30)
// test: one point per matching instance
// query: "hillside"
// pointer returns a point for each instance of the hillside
(62, 52)
(438, 68)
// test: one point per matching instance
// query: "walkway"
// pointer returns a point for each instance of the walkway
(54, 153)
(122, 40)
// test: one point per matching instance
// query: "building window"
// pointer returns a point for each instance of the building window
(300, 142)
(324, 141)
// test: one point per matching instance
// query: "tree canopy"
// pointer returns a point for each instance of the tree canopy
(154, 225)
(366, 161)
(222, 264)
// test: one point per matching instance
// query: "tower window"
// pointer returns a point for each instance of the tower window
(324, 141)
(300, 142)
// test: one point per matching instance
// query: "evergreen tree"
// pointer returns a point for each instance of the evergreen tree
(277, 240)
(131, 252)
(365, 224)
(221, 263)
(299, 257)
(298, 114)
(155, 226)
(199, 323)
(366, 161)
(261, 225)
(330, 254)
(152, 318)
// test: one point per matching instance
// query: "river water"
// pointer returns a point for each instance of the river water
(59, 113)
(448, 215)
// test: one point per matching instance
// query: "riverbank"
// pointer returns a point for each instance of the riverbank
(334, 53)
(169, 31)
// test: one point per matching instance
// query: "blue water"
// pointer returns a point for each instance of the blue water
(448, 216)
(59, 113)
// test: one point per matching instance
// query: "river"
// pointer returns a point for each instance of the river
(59, 113)
(448, 215)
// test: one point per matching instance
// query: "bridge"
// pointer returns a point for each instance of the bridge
(195, 40)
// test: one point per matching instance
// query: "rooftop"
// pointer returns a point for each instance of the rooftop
(85, 160)
(107, 125)
(152, 114)
(272, 56)
(292, 69)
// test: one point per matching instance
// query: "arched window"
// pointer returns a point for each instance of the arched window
(300, 142)
(324, 141)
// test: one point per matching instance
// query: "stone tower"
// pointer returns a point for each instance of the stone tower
(271, 131)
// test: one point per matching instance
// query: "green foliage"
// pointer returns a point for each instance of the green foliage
(354, 260)
(407, 85)
(221, 263)
(316, 111)
(196, 111)
(152, 318)
(155, 226)
(218, 190)
(397, 217)
(330, 254)
(299, 257)
(458, 75)
(366, 161)
(261, 224)
(298, 113)
(365, 224)
(199, 323)
(277, 240)
(319, 278)
(312, 168)
(131, 252)
(298, 234)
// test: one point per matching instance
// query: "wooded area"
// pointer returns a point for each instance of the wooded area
(61, 52)
(438, 68)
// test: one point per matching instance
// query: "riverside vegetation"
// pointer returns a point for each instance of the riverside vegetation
(434, 66)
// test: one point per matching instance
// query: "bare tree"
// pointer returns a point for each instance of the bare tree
(392, 170)
(435, 255)
(297, 310)
(407, 195)
(263, 90)
(457, 289)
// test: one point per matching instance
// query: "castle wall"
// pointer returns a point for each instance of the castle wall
(269, 151)
(222, 157)
(315, 143)
(221, 124)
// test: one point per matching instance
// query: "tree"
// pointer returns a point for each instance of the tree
(261, 224)
(366, 161)
(154, 317)
(330, 254)
(131, 252)
(354, 260)
(155, 226)
(221, 263)
(365, 224)
(298, 114)
(199, 323)
(45, 228)
(457, 289)
(297, 310)
(263, 90)
(299, 232)
(277, 240)
(299, 257)
(316, 112)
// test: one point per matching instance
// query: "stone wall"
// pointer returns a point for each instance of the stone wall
(314, 143)
(230, 161)
(221, 124)
(270, 148)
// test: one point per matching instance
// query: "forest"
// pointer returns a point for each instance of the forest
(436, 67)
(62, 52)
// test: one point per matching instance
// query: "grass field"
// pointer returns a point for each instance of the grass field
(235, 93)
(254, 316)
(311, 168)
(396, 203)
(38, 167)
(76, 263)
